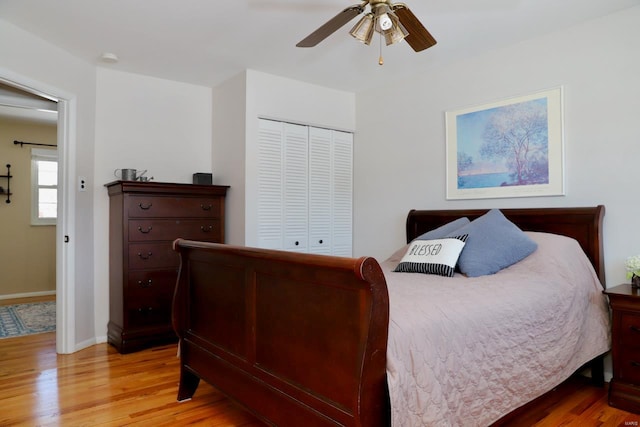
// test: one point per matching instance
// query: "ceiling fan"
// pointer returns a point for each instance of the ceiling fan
(392, 20)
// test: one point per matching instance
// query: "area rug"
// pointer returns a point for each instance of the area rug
(26, 319)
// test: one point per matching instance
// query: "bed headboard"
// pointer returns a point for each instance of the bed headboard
(582, 224)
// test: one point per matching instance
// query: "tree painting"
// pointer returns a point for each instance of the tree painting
(504, 146)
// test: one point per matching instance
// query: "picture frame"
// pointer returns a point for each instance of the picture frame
(513, 147)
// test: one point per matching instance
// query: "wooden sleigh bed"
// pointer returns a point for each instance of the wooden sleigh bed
(301, 339)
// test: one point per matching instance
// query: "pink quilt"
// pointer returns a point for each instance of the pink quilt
(466, 351)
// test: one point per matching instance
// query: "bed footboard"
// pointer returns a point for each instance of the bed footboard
(297, 339)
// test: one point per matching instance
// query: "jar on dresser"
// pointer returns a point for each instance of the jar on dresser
(144, 220)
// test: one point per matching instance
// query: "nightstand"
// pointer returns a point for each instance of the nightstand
(624, 389)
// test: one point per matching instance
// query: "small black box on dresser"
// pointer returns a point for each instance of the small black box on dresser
(203, 178)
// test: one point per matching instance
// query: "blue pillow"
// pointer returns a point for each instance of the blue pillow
(493, 243)
(444, 230)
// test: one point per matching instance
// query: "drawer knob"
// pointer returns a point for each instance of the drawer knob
(635, 364)
(143, 256)
(206, 207)
(145, 207)
(146, 284)
(147, 231)
(634, 328)
(320, 241)
(206, 229)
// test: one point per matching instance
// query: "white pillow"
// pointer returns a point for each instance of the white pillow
(438, 256)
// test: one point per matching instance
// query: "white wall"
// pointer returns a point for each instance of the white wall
(229, 135)
(402, 165)
(151, 124)
(236, 134)
(44, 66)
(143, 123)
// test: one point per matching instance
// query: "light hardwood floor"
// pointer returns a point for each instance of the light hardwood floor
(98, 386)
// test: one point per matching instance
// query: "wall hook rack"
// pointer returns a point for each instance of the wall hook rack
(8, 190)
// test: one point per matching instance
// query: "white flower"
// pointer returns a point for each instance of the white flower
(633, 266)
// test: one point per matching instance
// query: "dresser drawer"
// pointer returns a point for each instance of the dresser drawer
(148, 314)
(173, 207)
(146, 285)
(153, 255)
(629, 365)
(158, 295)
(145, 230)
(629, 333)
(149, 297)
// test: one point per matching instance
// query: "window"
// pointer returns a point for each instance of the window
(44, 186)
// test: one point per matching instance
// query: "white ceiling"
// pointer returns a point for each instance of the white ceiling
(206, 42)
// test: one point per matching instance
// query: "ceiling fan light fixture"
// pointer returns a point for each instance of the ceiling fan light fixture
(382, 16)
(384, 21)
(363, 30)
(396, 33)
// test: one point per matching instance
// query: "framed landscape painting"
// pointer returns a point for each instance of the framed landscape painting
(508, 148)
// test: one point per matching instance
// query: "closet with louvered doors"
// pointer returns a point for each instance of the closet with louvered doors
(305, 187)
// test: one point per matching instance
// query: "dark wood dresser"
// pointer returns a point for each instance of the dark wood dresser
(624, 388)
(144, 220)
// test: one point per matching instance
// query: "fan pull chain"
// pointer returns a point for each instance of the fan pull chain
(380, 59)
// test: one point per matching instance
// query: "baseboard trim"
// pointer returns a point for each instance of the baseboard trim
(85, 344)
(28, 295)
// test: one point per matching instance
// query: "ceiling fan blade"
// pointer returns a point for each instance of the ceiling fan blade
(332, 25)
(419, 38)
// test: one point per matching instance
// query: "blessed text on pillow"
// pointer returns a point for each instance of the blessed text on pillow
(438, 256)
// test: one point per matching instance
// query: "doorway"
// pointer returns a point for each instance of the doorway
(28, 96)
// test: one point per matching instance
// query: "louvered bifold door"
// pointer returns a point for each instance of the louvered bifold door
(295, 184)
(320, 205)
(270, 186)
(305, 188)
(342, 194)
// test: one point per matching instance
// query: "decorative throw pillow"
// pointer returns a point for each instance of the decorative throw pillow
(493, 243)
(444, 230)
(438, 256)
(436, 233)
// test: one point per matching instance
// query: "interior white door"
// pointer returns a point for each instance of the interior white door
(295, 187)
(320, 206)
(270, 190)
(342, 194)
(305, 188)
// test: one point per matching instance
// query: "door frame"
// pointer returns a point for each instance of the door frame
(65, 243)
